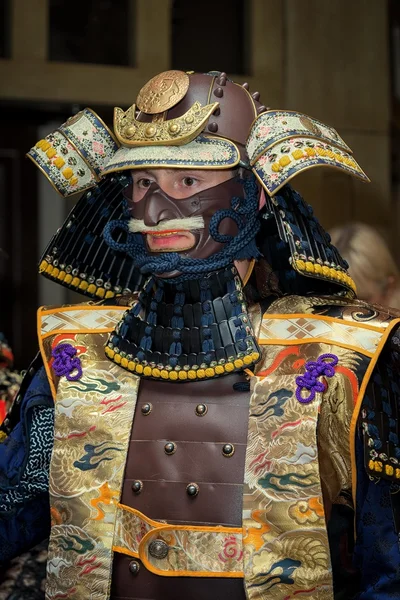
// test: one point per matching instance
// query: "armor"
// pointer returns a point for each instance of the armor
(218, 414)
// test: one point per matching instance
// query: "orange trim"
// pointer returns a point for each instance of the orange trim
(44, 357)
(158, 526)
(356, 412)
(332, 342)
(290, 316)
(183, 573)
(249, 271)
(77, 331)
(137, 513)
(125, 551)
(62, 309)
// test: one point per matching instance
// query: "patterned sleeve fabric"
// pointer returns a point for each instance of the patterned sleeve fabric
(24, 472)
(377, 549)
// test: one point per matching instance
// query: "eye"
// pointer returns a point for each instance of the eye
(189, 181)
(144, 183)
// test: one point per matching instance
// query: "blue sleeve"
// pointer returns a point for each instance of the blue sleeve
(24, 469)
(377, 553)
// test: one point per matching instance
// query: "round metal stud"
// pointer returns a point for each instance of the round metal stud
(192, 490)
(146, 409)
(201, 410)
(213, 127)
(130, 131)
(219, 92)
(170, 448)
(228, 450)
(134, 567)
(158, 549)
(137, 486)
(150, 131)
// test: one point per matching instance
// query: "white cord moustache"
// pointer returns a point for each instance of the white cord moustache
(188, 224)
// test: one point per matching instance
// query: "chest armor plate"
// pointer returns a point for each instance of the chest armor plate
(185, 465)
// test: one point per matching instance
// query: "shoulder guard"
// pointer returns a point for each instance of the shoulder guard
(336, 307)
(379, 415)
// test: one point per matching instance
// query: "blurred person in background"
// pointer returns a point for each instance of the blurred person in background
(371, 263)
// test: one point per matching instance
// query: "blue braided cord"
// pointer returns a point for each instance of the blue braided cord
(240, 246)
(207, 344)
(146, 341)
(175, 349)
(240, 334)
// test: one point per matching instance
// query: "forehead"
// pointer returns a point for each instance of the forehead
(161, 171)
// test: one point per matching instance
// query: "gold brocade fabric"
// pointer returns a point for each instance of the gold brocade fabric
(291, 477)
(93, 419)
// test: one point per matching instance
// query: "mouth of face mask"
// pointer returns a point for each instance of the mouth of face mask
(172, 235)
(170, 241)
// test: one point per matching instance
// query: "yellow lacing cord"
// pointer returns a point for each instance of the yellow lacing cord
(76, 282)
(181, 375)
(338, 276)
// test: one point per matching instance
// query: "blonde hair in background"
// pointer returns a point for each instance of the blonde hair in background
(372, 265)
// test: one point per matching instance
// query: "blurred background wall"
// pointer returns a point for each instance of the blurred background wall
(337, 61)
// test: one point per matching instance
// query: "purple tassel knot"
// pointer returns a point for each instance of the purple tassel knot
(65, 362)
(324, 365)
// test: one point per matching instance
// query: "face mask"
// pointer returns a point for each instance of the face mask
(158, 209)
(230, 223)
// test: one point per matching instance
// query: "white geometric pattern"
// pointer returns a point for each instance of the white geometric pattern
(77, 319)
(301, 329)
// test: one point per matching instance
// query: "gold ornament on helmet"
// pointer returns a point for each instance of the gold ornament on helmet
(163, 92)
(174, 132)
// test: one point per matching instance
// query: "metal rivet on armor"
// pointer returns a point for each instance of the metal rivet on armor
(213, 127)
(201, 410)
(192, 490)
(31, 371)
(256, 96)
(170, 448)
(245, 85)
(261, 109)
(134, 567)
(217, 111)
(158, 549)
(137, 486)
(6, 422)
(219, 92)
(228, 450)
(146, 409)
